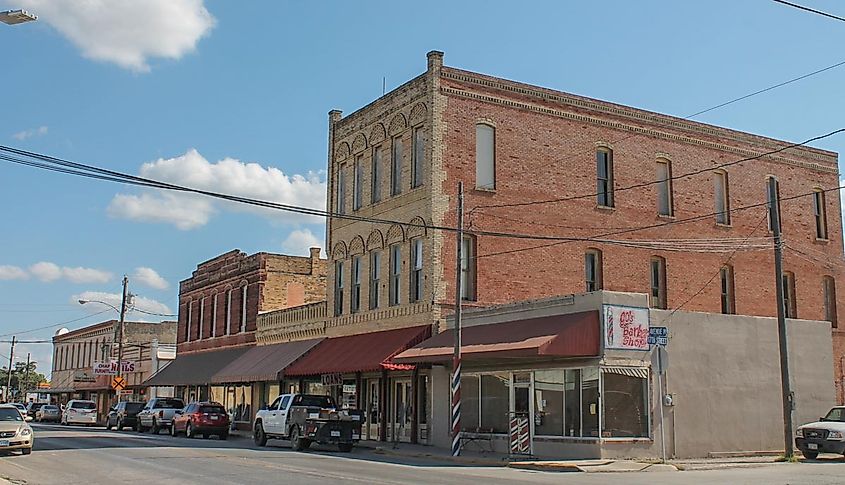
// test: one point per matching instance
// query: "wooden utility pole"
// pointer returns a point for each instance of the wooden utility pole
(8, 395)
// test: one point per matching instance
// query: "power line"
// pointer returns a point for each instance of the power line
(655, 182)
(808, 9)
(53, 325)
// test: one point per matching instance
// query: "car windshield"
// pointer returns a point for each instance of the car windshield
(836, 414)
(212, 409)
(50, 408)
(19, 406)
(134, 407)
(83, 405)
(313, 401)
(36, 405)
(7, 414)
(169, 404)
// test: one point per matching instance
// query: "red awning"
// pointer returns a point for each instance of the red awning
(357, 353)
(572, 335)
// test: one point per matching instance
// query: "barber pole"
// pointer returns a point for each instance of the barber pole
(456, 360)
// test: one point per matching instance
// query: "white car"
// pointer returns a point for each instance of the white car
(22, 409)
(78, 411)
(827, 435)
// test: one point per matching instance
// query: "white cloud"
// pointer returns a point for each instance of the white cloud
(12, 273)
(141, 303)
(127, 32)
(299, 242)
(23, 135)
(150, 278)
(49, 272)
(228, 176)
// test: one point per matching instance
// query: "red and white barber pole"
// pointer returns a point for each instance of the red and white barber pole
(456, 360)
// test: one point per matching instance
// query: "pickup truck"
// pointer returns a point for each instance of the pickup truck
(827, 435)
(157, 414)
(304, 419)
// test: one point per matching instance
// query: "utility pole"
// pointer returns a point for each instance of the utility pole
(7, 397)
(786, 391)
(25, 387)
(456, 359)
(120, 332)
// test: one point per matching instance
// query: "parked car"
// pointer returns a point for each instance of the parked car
(15, 434)
(123, 414)
(80, 411)
(201, 418)
(22, 409)
(304, 419)
(32, 408)
(157, 414)
(827, 435)
(48, 412)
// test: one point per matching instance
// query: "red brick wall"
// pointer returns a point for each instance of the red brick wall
(539, 156)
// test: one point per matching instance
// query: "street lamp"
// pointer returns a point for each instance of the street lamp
(13, 17)
(127, 297)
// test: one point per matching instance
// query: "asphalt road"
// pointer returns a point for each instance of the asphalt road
(93, 456)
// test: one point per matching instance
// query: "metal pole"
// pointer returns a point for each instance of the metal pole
(25, 387)
(7, 397)
(120, 332)
(786, 392)
(660, 403)
(456, 359)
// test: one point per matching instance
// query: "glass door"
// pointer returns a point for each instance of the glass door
(372, 414)
(400, 415)
(522, 405)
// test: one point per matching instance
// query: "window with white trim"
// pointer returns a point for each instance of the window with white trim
(657, 295)
(355, 302)
(188, 323)
(396, 166)
(604, 177)
(721, 195)
(593, 274)
(338, 288)
(243, 307)
(202, 317)
(664, 188)
(358, 183)
(229, 312)
(375, 279)
(819, 214)
(214, 317)
(485, 156)
(395, 275)
(375, 179)
(416, 270)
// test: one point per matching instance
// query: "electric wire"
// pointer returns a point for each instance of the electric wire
(808, 9)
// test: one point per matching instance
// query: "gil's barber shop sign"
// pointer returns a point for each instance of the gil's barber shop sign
(625, 328)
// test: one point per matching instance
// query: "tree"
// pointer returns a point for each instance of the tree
(22, 380)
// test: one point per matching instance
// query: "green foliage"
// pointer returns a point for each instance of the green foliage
(21, 380)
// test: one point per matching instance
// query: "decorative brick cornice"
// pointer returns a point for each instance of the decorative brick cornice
(822, 166)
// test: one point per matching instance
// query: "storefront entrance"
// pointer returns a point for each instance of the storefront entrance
(399, 419)
(372, 410)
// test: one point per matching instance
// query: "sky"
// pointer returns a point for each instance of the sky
(233, 97)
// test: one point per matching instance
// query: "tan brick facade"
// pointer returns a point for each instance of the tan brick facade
(270, 282)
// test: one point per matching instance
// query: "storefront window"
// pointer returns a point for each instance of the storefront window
(316, 387)
(350, 394)
(548, 402)
(590, 401)
(572, 400)
(240, 403)
(494, 401)
(218, 394)
(469, 403)
(625, 403)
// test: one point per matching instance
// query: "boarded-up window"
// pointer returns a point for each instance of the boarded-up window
(485, 156)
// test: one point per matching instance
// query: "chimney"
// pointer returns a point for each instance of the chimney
(315, 253)
(435, 60)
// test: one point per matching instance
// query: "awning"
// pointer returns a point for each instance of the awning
(358, 353)
(195, 368)
(571, 335)
(264, 363)
(640, 372)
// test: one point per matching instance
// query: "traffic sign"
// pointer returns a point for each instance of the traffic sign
(658, 336)
(118, 383)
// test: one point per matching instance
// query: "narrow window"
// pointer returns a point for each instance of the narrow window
(657, 296)
(820, 214)
(419, 156)
(830, 300)
(355, 302)
(358, 183)
(375, 278)
(395, 274)
(770, 199)
(721, 195)
(341, 190)
(726, 276)
(338, 288)
(604, 177)
(202, 317)
(243, 308)
(416, 270)
(664, 188)
(188, 324)
(468, 269)
(593, 270)
(228, 312)
(485, 156)
(375, 189)
(214, 317)
(789, 307)
(396, 167)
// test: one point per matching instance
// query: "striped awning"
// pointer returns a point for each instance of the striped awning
(641, 372)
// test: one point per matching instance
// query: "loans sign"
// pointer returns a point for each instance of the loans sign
(625, 328)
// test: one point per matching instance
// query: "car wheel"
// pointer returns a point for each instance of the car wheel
(108, 425)
(344, 447)
(205, 436)
(189, 431)
(258, 435)
(297, 443)
(26, 451)
(173, 431)
(224, 435)
(154, 429)
(810, 455)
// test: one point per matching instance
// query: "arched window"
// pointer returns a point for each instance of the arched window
(485, 156)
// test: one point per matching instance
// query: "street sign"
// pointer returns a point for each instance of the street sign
(118, 383)
(658, 336)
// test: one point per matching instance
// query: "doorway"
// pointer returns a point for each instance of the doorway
(522, 405)
(400, 411)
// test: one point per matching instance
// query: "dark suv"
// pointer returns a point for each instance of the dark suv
(123, 414)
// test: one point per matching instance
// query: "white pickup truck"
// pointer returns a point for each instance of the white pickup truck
(306, 418)
(158, 414)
